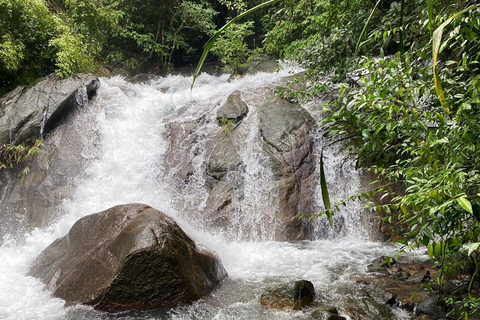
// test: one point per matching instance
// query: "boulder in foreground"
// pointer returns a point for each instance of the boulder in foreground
(127, 257)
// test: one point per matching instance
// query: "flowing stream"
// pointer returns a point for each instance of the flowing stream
(125, 160)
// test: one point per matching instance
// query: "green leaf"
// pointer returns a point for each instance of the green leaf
(473, 247)
(465, 204)
(437, 40)
(430, 251)
(325, 195)
(430, 13)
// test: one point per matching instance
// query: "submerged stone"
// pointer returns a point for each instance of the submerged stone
(127, 257)
(326, 313)
(294, 295)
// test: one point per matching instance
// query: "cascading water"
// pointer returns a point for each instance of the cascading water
(126, 158)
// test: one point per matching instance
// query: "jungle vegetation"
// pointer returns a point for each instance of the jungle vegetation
(408, 109)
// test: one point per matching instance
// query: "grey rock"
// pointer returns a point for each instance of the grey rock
(379, 295)
(368, 309)
(33, 203)
(284, 132)
(234, 108)
(26, 113)
(127, 257)
(431, 307)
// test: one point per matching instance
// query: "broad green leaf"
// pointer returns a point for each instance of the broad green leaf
(473, 247)
(465, 204)
(325, 195)
(430, 251)
(438, 250)
(218, 33)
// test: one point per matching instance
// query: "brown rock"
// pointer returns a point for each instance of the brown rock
(127, 257)
(290, 296)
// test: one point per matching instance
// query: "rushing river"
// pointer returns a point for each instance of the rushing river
(124, 165)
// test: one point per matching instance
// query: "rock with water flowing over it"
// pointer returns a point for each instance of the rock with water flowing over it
(289, 296)
(326, 313)
(24, 113)
(262, 138)
(28, 111)
(127, 257)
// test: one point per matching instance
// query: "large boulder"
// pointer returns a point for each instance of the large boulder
(289, 296)
(127, 257)
(254, 130)
(28, 112)
(25, 114)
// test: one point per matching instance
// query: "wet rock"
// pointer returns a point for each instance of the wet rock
(379, 295)
(290, 296)
(420, 277)
(223, 156)
(285, 128)
(178, 161)
(401, 275)
(432, 307)
(127, 257)
(281, 134)
(234, 109)
(368, 309)
(381, 264)
(29, 204)
(326, 313)
(27, 112)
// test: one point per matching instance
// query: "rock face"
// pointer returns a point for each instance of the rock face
(290, 296)
(127, 257)
(26, 113)
(253, 131)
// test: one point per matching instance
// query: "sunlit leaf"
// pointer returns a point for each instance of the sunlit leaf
(465, 204)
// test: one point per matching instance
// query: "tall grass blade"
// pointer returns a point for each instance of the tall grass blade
(218, 33)
(430, 14)
(364, 31)
(325, 195)
(437, 40)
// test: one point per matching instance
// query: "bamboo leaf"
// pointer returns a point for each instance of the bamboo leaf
(325, 195)
(209, 44)
(437, 40)
(364, 30)
(465, 204)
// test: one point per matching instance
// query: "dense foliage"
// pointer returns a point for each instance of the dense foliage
(38, 37)
(421, 135)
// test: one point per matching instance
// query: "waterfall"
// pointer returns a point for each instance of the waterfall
(126, 159)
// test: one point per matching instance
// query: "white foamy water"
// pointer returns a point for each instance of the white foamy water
(125, 158)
